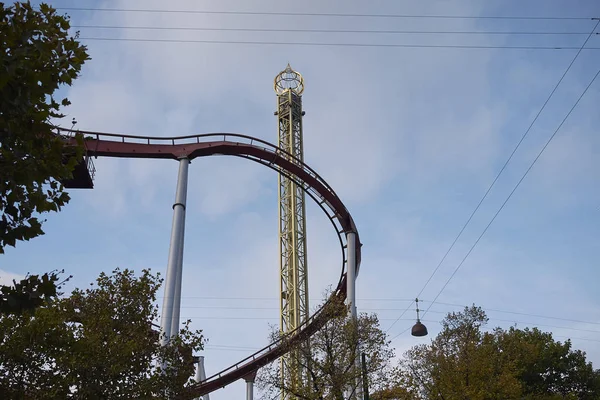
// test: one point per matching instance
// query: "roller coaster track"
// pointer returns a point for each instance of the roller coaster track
(128, 146)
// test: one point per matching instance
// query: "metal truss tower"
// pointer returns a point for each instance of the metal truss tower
(289, 86)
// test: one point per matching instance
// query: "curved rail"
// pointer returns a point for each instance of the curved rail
(260, 151)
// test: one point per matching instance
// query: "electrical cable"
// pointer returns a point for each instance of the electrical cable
(370, 309)
(563, 336)
(401, 333)
(322, 44)
(520, 313)
(288, 30)
(256, 318)
(514, 189)
(277, 299)
(528, 323)
(305, 14)
(495, 180)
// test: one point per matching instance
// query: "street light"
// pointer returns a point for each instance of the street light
(418, 329)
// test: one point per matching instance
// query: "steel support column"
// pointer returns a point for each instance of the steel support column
(250, 385)
(201, 376)
(249, 390)
(172, 300)
(351, 274)
(177, 297)
(351, 301)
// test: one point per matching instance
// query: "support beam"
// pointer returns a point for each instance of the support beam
(201, 376)
(351, 274)
(177, 299)
(351, 301)
(250, 385)
(172, 299)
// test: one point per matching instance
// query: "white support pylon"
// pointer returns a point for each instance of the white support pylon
(171, 303)
(250, 378)
(351, 300)
(201, 376)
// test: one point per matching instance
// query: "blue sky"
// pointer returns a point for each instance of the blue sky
(410, 138)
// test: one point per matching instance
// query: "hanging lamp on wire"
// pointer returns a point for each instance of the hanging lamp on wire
(418, 329)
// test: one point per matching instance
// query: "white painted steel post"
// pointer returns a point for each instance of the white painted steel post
(170, 316)
(177, 297)
(351, 299)
(249, 390)
(351, 273)
(250, 385)
(201, 375)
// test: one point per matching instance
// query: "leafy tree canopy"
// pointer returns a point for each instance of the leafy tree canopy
(465, 362)
(330, 359)
(38, 56)
(97, 343)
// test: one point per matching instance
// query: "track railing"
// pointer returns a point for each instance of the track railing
(263, 152)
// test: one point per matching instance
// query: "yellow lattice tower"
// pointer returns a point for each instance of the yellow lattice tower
(289, 86)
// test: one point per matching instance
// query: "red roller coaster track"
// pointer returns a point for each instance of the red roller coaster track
(230, 144)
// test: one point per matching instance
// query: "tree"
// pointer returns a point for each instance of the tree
(30, 292)
(330, 359)
(38, 57)
(465, 362)
(460, 363)
(548, 369)
(97, 343)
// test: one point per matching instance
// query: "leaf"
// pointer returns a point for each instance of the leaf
(37, 51)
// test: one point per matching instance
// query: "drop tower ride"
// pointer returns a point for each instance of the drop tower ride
(293, 267)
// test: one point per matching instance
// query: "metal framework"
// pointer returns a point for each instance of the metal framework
(293, 267)
(100, 144)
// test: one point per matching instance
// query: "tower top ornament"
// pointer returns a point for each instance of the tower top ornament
(288, 79)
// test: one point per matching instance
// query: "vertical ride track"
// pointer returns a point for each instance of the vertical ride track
(230, 144)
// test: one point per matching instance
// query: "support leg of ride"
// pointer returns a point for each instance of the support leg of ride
(172, 300)
(250, 385)
(201, 376)
(351, 299)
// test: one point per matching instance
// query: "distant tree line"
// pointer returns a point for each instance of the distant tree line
(464, 362)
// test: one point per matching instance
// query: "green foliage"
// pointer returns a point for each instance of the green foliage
(38, 56)
(465, 362)
(548, 369)
(29, 293)
(98, 343)
(330, 359)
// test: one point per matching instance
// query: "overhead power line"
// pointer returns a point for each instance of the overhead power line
(289, 30)
(527, 323)
(514, 189)
(275, 318)
(510, 157)
(520, 313)
(276, 299)
(568, 337)
(322, 44)
(313, 14)
(376, 309)
(508, 160)
(372, 309)
(401, 333)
